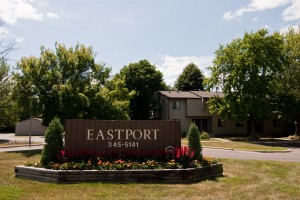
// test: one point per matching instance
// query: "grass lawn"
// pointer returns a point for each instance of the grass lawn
(242, 180)
(236, 145)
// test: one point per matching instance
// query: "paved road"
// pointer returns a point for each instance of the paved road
(22, 148)
(12, 138)
(293, 156)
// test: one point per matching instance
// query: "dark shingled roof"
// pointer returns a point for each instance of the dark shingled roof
(190, 94)
(205, 94)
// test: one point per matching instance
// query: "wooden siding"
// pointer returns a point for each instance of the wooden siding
(121, 136)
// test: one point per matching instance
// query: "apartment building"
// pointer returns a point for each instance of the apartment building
(192, 106)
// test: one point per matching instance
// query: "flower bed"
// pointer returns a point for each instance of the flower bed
(86, 160)
(176, 166)
(120, 176)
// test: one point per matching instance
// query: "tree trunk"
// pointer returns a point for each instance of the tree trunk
(253, 133)
(296, 128)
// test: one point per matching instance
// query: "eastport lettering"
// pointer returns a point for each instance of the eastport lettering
(122, 134)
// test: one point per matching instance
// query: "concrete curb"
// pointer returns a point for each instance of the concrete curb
(258, 151)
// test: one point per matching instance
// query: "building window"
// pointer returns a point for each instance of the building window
(239, 124)
(276, 123)
(221, 123)
(176, 105)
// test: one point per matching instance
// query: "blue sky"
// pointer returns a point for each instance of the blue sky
(168, 33)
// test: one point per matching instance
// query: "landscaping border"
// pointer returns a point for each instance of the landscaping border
(189, 175)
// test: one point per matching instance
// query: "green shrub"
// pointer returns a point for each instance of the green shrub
(54, 142)
(194, 141)
(204, 136)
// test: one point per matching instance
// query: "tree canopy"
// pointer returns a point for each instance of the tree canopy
(288, 84)
(6, 46)
(8, 108)
(144, 79)
(245, 70)
(68, 83)
(292, 71)
(190, 79)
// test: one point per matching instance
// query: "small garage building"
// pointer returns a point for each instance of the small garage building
(37, 129)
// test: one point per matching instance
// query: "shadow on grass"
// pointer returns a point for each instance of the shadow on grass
(28, 153)
(3, 141)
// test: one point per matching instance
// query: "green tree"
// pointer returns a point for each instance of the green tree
(292, 71)
(54, 142)
(144, 79)
(190, 79)
(194, 141)
(112, 100)
(288, 92)
(68, 83)
(245, 71)
(6, 46)
(8, 107)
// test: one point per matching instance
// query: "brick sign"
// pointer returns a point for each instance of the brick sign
(121, 135)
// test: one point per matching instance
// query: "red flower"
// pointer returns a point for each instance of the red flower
(62, 153)
(184, 151)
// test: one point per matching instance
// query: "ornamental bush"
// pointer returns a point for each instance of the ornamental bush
(54, 142)
(204, 136)
(194, 141)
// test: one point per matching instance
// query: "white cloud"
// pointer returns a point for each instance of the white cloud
(266, 26)
(228, 16)
(286, 29)
(19, 39)
(52, 15)
(256, 5)
(292, 12)
(255, 19)
(259, 5)
(172, 67)
(12, 10)
(3, 32)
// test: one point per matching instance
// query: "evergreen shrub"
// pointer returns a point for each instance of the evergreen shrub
(54, 142)
(194, 141)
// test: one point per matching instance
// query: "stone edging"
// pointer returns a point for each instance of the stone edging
(120, 176)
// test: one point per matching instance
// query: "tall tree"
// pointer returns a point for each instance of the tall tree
(6, 46)
(292, 49)
(66, 83)
(190, 79)
(245, 71)
(144, 79)
(112, 101)
(288, 92)
(8, 108)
